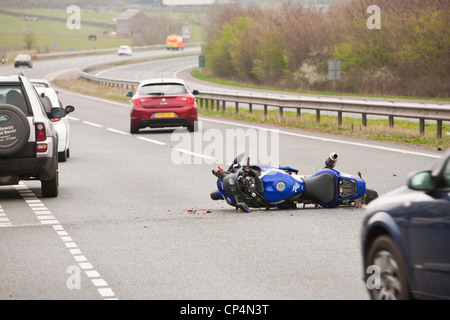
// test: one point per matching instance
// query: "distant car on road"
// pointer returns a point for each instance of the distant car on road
(125, 51)
(50, 99)
(406, 238)
(160, 103)
(23, 60)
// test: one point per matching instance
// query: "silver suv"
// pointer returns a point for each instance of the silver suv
(28, 141)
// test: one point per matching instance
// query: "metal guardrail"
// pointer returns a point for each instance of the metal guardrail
(419, 111)
(439, 112)
(130, 84)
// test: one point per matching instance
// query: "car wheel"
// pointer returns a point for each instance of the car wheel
(49, 188)
(193, 128)
(14, 130)
(62, 156)
(393, 283)
(133, 129)
(68, 153)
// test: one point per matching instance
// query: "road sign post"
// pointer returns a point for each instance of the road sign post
(186, 32)
(334, 71)
(201, 59)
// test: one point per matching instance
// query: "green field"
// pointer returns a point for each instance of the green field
(88, 15)
(50, 36)
(53, 36)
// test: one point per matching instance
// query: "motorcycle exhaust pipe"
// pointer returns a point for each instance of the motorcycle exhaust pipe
(331, 161)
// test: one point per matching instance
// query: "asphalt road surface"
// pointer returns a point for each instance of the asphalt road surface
(132, 222)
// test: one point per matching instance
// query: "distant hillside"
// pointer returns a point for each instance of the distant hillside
(59, 4)
(120, 4)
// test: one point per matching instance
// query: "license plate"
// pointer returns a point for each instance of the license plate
(165, 115)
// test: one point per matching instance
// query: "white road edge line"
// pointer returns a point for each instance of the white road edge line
(365, 145)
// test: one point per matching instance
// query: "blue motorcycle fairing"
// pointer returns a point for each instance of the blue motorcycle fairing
(280, 186)
(221, 193)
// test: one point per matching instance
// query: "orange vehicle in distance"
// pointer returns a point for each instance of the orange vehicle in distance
(174, 42)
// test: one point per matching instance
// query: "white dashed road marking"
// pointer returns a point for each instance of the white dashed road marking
(4, 221)
(45, 217)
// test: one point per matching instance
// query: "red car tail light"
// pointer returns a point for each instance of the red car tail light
(41, 134)
(187, 99)
(55, 119)
(141, 100)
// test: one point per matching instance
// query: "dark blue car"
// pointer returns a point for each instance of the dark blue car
(406, 238)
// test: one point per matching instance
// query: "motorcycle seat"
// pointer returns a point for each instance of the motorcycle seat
(320, 188)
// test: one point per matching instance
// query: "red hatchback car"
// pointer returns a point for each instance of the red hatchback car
(160, 103)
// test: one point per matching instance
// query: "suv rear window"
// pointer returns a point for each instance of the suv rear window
(13, 94)
(163, 89)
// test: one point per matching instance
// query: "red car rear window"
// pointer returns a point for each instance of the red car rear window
(163, 89)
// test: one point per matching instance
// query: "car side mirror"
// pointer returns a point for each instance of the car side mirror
(195, 92)
(69, 109)
(129, 94)
(422, 181)
(57, 113)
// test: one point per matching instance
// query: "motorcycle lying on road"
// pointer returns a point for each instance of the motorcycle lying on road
(251, 186)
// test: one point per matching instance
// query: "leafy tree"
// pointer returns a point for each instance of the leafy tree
(29, 40)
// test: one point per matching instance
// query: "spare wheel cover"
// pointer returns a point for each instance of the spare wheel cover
(14, 130)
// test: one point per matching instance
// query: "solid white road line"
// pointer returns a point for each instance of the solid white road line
(359, 144)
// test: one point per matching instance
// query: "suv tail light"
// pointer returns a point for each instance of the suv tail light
(54, 119)
(42, 147)
(41, 134)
